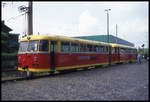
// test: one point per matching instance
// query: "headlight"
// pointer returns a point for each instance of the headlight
(35, 58)
(19, 58)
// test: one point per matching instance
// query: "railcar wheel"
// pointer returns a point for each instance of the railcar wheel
(51, 72)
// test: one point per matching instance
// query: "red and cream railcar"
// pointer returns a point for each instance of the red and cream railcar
(41, 53)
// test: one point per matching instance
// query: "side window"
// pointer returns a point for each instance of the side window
(74, 47)
(65, 47)
(122, 50)
(133, 51)
(82, 47)
(89, 48)
(97, 48)
(44, 45)
(127, 51)
(101, 49)
(130, 51)
(94, 48)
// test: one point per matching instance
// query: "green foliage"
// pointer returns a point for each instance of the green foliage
(4, 35)
(9, 60)
(9, 56)
(143, 51)
(5, 42)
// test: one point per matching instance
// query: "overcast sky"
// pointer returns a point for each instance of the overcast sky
(83, 19)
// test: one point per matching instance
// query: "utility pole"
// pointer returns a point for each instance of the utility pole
(107, 10)
(109, 48)
(116, 33)
(30, 17)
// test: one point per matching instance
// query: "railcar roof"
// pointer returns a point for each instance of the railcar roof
(62, 38)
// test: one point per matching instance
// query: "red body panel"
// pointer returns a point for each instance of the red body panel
(68, 59)
(63, 60)
(127, 57)
(115, 57)
(43, 60)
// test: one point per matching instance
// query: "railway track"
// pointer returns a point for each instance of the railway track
(6, 79)
(36, 76)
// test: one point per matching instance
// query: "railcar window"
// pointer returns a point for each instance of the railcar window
(44, 45)
(132, 51)
(89, 48)
(33, 46)
(127, 51)
(122, 50)
(94, 48)
(23, 46)
(97, 48)
(74, 47)
(101, 49)
(65, 47)
(83, 48)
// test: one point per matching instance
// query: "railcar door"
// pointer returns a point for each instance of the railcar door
(52, 52)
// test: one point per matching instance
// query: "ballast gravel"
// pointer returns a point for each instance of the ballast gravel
(117, 82)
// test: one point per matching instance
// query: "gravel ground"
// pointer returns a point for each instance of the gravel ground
(118, 82)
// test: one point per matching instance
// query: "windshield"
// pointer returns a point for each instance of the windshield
(23, 46)
(33, 46)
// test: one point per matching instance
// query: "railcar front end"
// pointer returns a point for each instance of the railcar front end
(34, 55)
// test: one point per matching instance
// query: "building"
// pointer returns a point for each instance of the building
(5, 28)
(6, 36)
(103, 38)
(13, 38)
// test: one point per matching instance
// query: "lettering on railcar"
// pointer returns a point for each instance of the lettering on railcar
(87, 58)
(83, 57)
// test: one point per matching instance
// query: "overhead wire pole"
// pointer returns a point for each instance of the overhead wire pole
(107, 10)
(30, 17)
(109, 49)
(116, 33)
